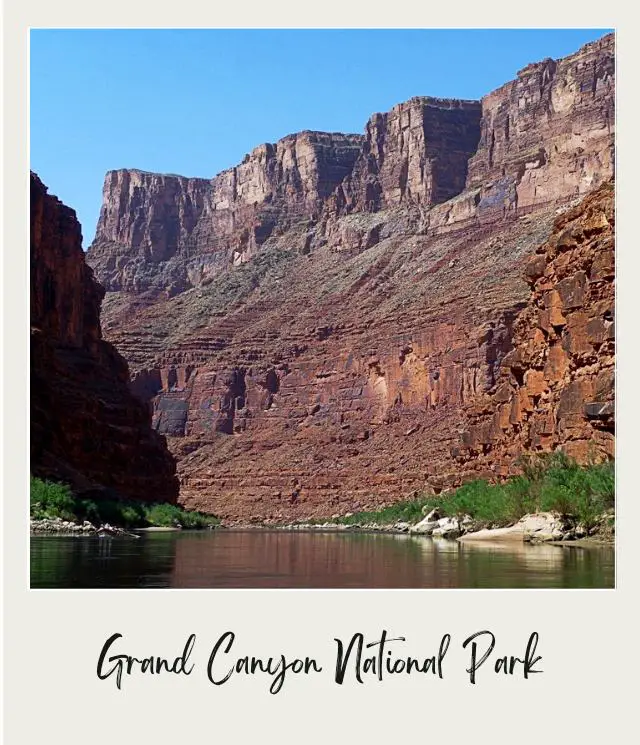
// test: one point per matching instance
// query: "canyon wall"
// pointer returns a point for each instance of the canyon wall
(549, 131)
(330, 334)
(87, 428)
(555, 387)
(415, 154)
(166, 233)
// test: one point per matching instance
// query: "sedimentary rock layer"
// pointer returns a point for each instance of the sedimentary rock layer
(298, 385)
(415, 154)
(86, 426)
(549, 131)
(167, 233)
(320, 339)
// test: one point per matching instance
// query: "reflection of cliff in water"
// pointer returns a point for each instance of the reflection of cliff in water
(274, 559)
(292, 559)
(513, 564)
(73, 561)
(356, 560)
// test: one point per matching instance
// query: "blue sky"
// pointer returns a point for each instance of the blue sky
(195, 102)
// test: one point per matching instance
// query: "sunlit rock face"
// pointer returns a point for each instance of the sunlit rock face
(555, 387)
(168, 233)
(316, 327)
(548, 133)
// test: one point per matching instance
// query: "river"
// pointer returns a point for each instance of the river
(283, 559)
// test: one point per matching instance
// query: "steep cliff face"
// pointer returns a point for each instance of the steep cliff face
(300, 384)
(347, 302)
(415, 154)
(555, 387)
(549, 132)
(166, 233)
(86, 426)
(145, 221)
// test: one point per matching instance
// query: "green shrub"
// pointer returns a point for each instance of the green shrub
(170, 515)
(406, 511)
(481, 500)
(550, 482)
(197, 520)
(583, 493)
(131, 515)
(522, 495)
(50, 499)
(163, 515)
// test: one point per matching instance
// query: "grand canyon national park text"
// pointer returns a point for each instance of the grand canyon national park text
(358, 658)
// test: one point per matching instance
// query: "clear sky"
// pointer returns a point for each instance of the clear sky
(194, 102)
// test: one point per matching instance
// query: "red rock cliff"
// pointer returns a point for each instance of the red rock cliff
(415, 154)
(549, 132)
(555, 387)
(168, 233)
(86, 427)
(336, 333)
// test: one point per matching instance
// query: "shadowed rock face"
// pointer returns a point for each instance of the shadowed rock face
(320, 338)
(86, 426)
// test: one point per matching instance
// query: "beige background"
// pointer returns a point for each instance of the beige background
(52, 638)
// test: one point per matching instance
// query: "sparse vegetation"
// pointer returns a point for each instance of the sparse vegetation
(51, 500)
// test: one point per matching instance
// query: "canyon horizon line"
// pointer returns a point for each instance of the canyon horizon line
(341, 321)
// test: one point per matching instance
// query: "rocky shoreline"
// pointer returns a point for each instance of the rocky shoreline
(540, 527)
(57, 526)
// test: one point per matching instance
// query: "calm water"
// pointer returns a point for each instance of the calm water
(309, 560)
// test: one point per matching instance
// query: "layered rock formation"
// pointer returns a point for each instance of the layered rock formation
(320, 338)
(86, 426)
(549, 131)
(430, 141)
(556, 385)
(167, 233)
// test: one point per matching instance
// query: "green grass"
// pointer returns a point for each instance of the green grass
(54, 500)
(549, 483)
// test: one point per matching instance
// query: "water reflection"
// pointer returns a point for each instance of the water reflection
(82, 561)
(274, 559)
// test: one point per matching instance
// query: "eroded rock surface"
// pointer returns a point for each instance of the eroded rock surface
(555, 387)
(166, 233)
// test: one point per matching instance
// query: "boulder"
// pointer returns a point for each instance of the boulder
(448, 527)
(542, 526)
(424, 527)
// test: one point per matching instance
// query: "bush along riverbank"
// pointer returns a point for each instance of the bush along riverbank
(55, 509)
(553, 499)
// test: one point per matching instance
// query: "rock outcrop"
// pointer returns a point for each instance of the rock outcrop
(415, 154)
(555, 387)
(339, 314)
(86, 426)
